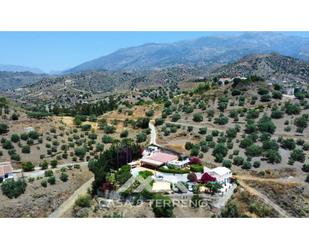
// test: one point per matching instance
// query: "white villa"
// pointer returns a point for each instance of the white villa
(154, 157)
(222, 174)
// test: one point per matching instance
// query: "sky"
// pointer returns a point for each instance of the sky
(58, 51)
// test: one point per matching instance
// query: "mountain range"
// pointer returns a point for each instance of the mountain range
(16, 68)
(211, 50)
(272, 67)
(271, 55)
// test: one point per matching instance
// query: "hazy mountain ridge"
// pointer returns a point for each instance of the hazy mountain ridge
(12, 80)
(202, 51)
(109, 81)
(17, 68)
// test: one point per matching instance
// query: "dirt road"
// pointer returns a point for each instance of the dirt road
(275, 180)
(153, 134)
(39, 172)
(209, 126)
(265, 199)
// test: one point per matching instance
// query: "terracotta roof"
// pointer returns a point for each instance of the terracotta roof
(5, 168)
(162, 157)
(151, 162)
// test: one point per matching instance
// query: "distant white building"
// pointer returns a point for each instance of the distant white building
(222, 174)
(289, 91)
(29, 129)
(179, 163)
(6, 171)
(224, 81)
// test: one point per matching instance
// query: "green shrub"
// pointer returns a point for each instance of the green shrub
(107, 139)
(159, 121)
(48, 173)
(141, 137)
(288, 143)
(221, 120)
(238, 160)
(109, 129)
(44, 165)
(26, 149)
(260, 209)
(86, 127)
(51, 180)
(265, 124)
(174, 171)
(15, 138)
(64, 177)
(254, 150)
(76, 166)
(298, 155)
(188, 145)
(197, 117)
(162, 206)
(123, 174)
(196, 168)
(272, 156)
(12, 188)
(305, 167)
(124, 133)
(27, 166)
(44, 183)
(3, 128)
(80, 152)
(53, 163)
(15, 157)
(227, 163)
(246, 165)
(256, 164)
(83, 201)
(7, 145)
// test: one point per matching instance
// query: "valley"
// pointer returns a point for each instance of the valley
(209, 133)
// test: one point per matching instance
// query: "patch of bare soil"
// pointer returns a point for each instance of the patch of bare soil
(249, 205)
(67, 120)
(137, 112)
(289, 196)
(38, 201)
(187, 85)
(271, 173)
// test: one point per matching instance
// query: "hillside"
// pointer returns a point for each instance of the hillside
(272, 67)
(203, 51)
(111, 80)
(88, 86)
(12, 80)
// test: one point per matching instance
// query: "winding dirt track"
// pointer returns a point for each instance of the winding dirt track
(265, 199)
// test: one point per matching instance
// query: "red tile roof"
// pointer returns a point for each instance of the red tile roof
(162, 157)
